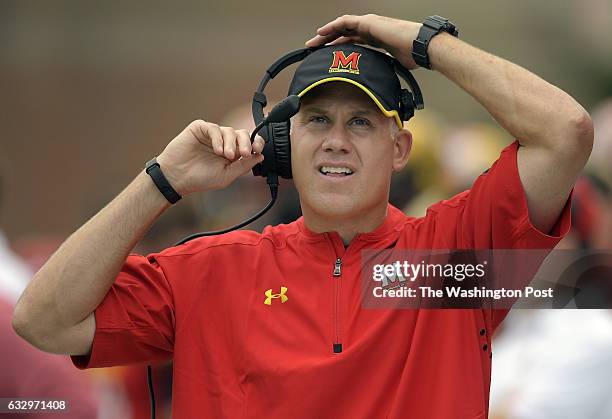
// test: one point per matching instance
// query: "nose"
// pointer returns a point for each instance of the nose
(337, 140)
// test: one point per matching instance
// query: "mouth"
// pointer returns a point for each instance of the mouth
(336, 171)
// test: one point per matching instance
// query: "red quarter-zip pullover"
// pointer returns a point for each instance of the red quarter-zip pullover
(271, 325)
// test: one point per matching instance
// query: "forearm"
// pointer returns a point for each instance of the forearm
(73, 282)
(529, 108)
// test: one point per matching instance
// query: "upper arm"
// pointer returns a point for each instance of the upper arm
(548, 174)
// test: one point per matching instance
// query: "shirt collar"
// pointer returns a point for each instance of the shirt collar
(394, 221)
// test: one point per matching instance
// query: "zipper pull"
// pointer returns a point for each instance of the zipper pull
(338, 267)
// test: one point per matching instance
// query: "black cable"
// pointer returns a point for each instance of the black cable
(151, 392)
(273, 193)
(257, 129)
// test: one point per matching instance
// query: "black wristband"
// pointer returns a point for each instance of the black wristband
(152, 168)
(432, 26)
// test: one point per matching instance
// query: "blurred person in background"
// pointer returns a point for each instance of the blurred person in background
(203, 304)
(556, 364)
(14, 273)
(424, 169)
(24, 371)
(450, 159)
(599, 170)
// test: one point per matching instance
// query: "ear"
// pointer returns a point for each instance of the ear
(401, 149)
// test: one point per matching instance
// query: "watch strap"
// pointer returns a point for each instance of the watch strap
(154, 170)
(431, 27)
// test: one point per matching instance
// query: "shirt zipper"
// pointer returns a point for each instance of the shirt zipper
(336, 277)
(337, 274)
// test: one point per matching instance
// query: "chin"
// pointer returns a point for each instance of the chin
(336, 205)
(349, 200)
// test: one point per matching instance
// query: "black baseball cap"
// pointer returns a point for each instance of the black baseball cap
(370, 70)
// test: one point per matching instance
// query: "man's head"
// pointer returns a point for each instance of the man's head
(339, 128)
(348, 122)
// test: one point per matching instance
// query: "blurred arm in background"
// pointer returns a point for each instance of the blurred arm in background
(29, 373)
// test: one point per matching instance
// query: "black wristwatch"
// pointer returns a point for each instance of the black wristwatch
(152, 168)
(432, 26)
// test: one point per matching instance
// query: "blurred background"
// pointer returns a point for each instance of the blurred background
(92, 90)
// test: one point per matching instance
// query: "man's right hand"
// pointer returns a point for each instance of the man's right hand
(205, 156)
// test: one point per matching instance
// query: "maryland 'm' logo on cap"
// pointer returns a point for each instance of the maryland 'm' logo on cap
(345, 64)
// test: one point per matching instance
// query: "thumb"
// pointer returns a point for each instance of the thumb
(243, 165)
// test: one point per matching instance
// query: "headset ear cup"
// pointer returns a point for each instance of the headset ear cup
(282, 148)
(406, 105)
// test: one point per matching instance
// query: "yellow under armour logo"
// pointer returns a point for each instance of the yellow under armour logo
(281, 295)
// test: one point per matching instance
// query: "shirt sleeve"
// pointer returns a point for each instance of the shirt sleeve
(135, 321)
(495, 213)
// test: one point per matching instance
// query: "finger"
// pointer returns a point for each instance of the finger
(243, 165)
(330, 38)
(258, 145)
(198, 130)
(320, 40)
(347, 25)
(347, 40)
(229, 143)
(244, 142)
(216, 138)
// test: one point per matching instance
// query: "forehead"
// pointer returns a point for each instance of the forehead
(337, 93)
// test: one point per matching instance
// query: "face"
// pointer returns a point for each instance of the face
(344, 151)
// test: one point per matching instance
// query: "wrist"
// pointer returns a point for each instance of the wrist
(160, 179)
(432, 27)
(437, 47)
(172, 174)
(150, 195)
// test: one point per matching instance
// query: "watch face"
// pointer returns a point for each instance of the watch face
(436, 22)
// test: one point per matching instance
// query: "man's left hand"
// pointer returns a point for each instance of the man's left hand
(393, 35)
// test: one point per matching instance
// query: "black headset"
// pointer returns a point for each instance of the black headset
(277, 149)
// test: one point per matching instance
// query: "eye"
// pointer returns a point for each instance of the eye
(360, 122)
(318, 119)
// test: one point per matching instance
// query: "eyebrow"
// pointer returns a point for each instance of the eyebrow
(316, 109)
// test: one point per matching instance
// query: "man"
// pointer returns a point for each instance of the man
(270, 325)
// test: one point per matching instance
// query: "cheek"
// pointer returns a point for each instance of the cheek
(301, 158)
(378, 160)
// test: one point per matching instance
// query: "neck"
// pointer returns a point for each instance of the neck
(346, 225)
